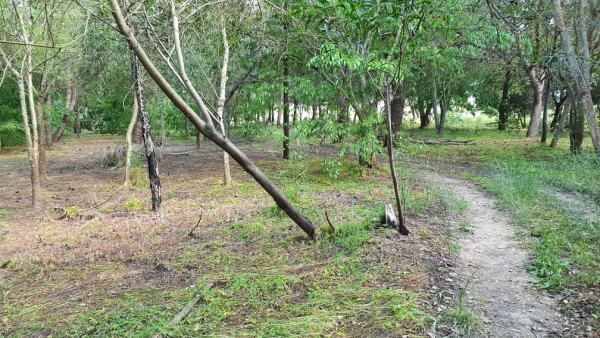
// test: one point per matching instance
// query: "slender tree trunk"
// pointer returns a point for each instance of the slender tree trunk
(155, 187)
(129, 140)
(187, 128)
(536, 108)
(503, 109)
(560, 127)
(558, 108)
(434, 105)
(286, 112)
(221, 102)
(314, 112)
(545, 114)
(401, 224)
(577, 126)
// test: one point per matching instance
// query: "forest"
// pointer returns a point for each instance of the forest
(300, 168)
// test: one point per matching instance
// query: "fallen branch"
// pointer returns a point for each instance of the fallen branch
(448, 142)
(328, 221)
(186, 309)
(178, 154)
(197, 224)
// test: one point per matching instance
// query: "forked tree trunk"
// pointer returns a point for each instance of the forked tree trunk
(208, 130)
(155, 187)
(129, 140)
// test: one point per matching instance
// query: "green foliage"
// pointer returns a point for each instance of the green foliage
(134, 204)
(331, 168)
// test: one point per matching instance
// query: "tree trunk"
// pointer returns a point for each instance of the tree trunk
(545, 114)
(187, 128)
(209, 131)
(536, 107)
(560, 127)
(155, 187)
(434, 105)
(577, 127)
(397, 106)
(314, 112)
(401, 224)
(70, 102)
(558, 108)
(286, 112)
(129, 140)
(503, 108)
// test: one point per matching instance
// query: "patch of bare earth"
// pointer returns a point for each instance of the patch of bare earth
(492, 259)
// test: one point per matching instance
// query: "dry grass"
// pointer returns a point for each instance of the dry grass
(60, 274)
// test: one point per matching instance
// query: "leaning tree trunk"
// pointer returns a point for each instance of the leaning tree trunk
(153, 176)
(536, 108)
(208, 130)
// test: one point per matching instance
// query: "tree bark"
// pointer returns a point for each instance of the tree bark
(153, 176)
(209, 131)
(536, 108)
(70, 102)
(286, 112)
(129, 140)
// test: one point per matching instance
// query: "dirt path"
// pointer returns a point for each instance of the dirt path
(500, 290)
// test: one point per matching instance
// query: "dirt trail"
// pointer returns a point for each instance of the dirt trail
(500, 290)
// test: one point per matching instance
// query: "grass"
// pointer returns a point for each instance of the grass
(127, 272)
(525, 175)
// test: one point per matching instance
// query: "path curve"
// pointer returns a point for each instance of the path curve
(501, 291)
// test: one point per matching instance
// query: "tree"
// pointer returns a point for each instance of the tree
(205, 126)
(578, 64)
